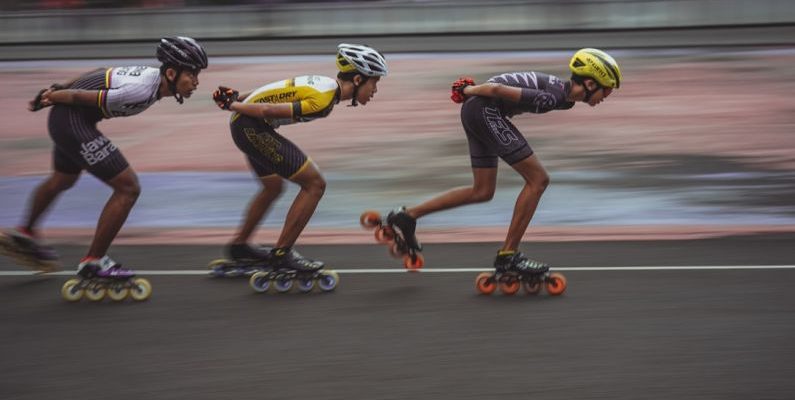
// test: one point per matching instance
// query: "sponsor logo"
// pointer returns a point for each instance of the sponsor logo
(266, 144)
(498, 126)
(97, 150)
(278, 97)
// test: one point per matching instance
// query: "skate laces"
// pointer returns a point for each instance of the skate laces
(102, 264)
(522, 262)
(403, 220)
(282, 254)
(518, 261)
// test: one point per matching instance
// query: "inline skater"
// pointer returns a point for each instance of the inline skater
(275, 159)
(485, 117)
(77, 107)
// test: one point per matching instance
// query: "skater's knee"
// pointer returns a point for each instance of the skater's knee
(316, 186)
(60, 182)
(482, 195)
(273, 184)
(126, 185)
(539, 182)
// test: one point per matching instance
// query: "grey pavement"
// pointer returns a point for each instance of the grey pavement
(686, 334)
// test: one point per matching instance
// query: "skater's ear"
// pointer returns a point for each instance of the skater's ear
(358, 79)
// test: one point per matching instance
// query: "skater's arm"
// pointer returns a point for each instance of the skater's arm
(50, 96)
(245, 94)
(495, 90)
(263, 110)
(76, 97)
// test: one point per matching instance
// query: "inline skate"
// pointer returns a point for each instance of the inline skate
(98, 277)
(243, 260)
(397, 232)
(27, 251)
(288, 267)
(514, 270)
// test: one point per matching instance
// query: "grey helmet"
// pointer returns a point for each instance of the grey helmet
(360, 58)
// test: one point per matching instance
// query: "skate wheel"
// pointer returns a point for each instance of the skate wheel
(327, 280)
(413, 264)
(485, 284)
(384, 234)
(394, 250)
(532, 287)
(118, 292)
(141, 289)
(95, 293)
(556, 284)
(260, 282)
(305, 285)
(370, 219)
(216, 267)
(71, 291)
(510, 287)
(282, 284)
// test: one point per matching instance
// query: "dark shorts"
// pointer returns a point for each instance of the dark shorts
(79, 145)
(491, 134)
(267, 151)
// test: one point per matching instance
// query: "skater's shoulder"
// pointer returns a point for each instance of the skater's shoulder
(317, 82)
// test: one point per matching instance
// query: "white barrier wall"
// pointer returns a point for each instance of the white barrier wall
(335, 19)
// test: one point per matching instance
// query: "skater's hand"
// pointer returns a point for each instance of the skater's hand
(458, 89)
(224, 97)
(42, 99)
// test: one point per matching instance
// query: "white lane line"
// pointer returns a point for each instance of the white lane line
(193, 272)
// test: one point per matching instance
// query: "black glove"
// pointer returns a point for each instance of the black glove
(224, 97)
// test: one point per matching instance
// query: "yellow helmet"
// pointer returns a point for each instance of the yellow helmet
(598, 65)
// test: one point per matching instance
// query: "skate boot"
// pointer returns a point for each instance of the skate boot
(243, 260)
(97, 277)
(518, 263)
(405, 242)
(22, 245)
(288, 267)
(512, 270)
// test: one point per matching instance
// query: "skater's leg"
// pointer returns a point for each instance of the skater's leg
(44, 195)
(125, 193)
(482, 190)
(312, 188)
(272, 187)
(536, 182)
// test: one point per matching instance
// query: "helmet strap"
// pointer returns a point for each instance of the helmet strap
(588, 93)
(354, 103)
(172, 86)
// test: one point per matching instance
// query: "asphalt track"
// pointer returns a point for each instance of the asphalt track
(615, 334)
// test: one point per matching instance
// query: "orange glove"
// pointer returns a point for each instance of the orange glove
(224, 97)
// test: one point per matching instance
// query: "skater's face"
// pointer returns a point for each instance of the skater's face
(599, 93)
(367, 89)
(186, 82)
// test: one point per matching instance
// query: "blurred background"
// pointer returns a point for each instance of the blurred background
(700, 133)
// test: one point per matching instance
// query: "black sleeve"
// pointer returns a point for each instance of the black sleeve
(538, 101)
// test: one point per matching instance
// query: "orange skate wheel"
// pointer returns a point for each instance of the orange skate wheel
(370, 219)
(413, 265)
(384, 234)
(556, 284)
(510, 287)
(532, 287)
(394, 250)
(484, 284)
